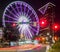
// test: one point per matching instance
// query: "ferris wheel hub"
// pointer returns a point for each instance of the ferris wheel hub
(23, 20)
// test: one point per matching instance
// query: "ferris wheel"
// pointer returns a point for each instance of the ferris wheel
(23, 17)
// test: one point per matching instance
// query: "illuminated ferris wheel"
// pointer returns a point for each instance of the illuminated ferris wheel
(23, 17)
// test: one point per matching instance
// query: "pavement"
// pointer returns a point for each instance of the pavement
(25, 48)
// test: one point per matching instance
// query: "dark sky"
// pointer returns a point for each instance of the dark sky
(36, 4)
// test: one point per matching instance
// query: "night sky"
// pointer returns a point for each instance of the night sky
(36, 4)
